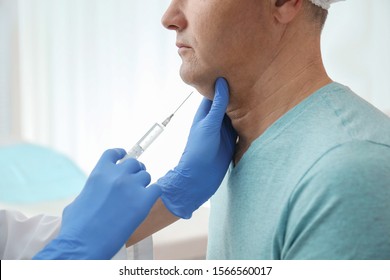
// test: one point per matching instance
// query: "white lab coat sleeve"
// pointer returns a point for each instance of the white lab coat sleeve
(22, 237)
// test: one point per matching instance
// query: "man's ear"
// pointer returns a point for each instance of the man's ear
(286, 10)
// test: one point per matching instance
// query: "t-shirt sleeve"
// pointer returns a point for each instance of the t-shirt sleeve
(340, 209)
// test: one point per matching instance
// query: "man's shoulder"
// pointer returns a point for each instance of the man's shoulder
(339, 210)
(354, 156)
(351, 168)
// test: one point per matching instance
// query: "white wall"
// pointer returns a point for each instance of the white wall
(356, 44)
(8, 28)
(96, 74)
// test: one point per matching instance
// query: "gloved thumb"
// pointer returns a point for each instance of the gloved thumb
(112, 155)
(220, 102)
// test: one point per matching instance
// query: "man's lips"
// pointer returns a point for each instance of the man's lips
(183, 48)
(182, 45)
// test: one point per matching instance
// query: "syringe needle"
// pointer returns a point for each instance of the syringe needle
(182, 103)
(150, 136)
(168, 119)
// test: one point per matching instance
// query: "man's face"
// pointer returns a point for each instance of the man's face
(219, 38)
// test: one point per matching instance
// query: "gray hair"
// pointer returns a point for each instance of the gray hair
(315, 14)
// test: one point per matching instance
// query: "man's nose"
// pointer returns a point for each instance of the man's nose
(174, 18)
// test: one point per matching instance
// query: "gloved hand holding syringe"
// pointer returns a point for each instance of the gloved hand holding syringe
(112, 190)
(152, 134)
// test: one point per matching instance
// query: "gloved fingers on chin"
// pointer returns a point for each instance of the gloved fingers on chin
(220, 102)
(203, 110)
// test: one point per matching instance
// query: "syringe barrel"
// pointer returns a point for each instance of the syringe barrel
(150, 136)
(137, 150)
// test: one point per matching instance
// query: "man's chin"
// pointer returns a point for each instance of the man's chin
(205, 86)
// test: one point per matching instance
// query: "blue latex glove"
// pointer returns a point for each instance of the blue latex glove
(206, 157)
(111, 206)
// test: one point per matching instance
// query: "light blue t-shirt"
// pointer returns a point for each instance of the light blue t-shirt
(314, 185)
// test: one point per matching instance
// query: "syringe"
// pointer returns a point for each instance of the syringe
(150, 136)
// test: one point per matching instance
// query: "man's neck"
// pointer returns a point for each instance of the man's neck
(287, 81)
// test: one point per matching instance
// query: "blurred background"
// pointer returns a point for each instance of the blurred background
(80, 76)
